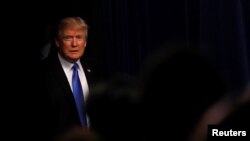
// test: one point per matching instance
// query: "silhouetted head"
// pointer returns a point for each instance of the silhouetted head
(179, 85)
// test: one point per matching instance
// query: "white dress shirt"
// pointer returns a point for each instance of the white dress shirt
(67, 67)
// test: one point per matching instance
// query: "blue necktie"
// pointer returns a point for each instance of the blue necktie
(78, 95)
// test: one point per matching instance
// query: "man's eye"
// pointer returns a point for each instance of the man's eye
(79, 37)
(67, 38)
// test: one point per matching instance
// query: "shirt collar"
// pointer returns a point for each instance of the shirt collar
(68, 65)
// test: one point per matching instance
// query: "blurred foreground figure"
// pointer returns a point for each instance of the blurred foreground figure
(79, 134)
(229, 113)
(179, 86)
(114, 109)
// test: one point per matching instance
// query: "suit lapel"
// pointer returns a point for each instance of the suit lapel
(63, 81)
(87, 72)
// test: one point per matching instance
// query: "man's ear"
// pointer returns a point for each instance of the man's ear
(85, 44)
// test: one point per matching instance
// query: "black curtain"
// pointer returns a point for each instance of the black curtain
(127, 32)
(224, 30)
(131, 30)
(124, 33)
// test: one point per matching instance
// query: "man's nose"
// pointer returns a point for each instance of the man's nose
(74, 42)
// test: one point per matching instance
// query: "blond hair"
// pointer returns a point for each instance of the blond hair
(72, 22)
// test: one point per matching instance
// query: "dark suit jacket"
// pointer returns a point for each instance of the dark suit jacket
(59, 109)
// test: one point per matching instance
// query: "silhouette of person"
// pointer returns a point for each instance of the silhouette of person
(114, 109)
(179, 85)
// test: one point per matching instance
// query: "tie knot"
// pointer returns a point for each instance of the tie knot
(75, 66)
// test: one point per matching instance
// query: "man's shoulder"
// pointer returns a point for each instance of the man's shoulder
(95, 68)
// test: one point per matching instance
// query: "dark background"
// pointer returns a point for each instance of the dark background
(124, 33)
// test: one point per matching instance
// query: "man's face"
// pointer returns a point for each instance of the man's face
(71, 43)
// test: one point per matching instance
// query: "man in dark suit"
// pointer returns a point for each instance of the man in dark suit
(59, 110)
